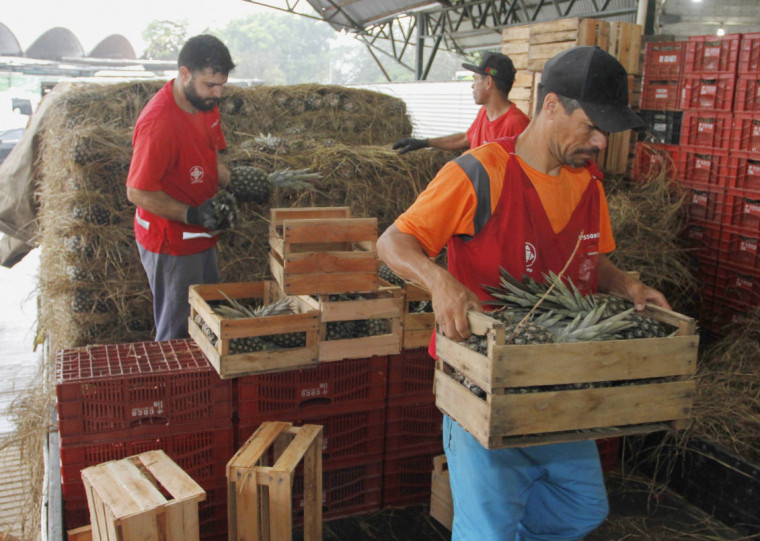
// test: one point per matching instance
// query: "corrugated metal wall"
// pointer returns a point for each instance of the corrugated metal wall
(436, 108)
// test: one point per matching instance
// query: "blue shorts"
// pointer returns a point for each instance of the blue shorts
(544, 492)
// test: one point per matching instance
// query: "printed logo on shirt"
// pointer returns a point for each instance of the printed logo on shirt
(196, 174)
(530, 255)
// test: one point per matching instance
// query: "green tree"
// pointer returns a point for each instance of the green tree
(164, 39)
(279, 48)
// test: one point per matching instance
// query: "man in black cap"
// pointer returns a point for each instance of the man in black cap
(498, 117)
(530, 204)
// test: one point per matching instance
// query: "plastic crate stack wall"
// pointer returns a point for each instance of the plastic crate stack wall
(414, 425)
(348, 399)
(115, 401)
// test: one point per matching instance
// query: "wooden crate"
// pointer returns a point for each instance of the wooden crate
(260, 483)
(385, 302)
(146, 496)
(418, 326)
(515, 43)
(551, 38)
(441, 503)
(322, 250)
(229, 365)
(523, 407)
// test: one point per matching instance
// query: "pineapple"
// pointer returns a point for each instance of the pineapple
(235, 310)
(94, 214)
(250, 183)
(385, 272)
(268, 143)
(226, 209)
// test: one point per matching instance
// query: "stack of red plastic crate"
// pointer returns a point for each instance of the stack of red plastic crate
(348, 399)
(120, 400)
(413, 434)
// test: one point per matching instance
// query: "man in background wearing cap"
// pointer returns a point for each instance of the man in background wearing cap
(531, 204)
(498, 117)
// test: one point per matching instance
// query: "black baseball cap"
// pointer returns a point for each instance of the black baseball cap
(496, 65)
(598, 81)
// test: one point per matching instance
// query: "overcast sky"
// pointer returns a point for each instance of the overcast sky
(93, 20)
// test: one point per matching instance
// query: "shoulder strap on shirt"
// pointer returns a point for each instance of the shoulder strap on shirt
(482, 185)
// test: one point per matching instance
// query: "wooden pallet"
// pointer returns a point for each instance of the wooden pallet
(385, 302)
(305, 320)
(532, 392)
(260, 483)
(146, 496)
(322, 250)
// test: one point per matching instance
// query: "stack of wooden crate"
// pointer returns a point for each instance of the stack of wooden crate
(530, 46)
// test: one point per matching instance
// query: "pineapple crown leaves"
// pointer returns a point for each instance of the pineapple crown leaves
(236, 310)
(295, 179)
(593, 326)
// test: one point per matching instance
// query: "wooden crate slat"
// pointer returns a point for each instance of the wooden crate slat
(278, 215)
(181, 487)
(318, 231)
(331, 262)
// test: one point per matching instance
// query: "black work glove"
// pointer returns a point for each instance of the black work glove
(408, 144)
(203, 215)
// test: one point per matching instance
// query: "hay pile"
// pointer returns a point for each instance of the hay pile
(92, 286)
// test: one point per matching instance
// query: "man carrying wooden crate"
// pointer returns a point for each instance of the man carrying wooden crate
(498, 116)
(531, 204)
(174, 174)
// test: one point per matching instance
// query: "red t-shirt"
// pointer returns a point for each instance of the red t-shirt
(483, 131)
(174, 152)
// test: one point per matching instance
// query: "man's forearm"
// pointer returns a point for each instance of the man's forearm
(456, 141)
(158, 203)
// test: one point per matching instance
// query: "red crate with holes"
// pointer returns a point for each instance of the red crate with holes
(313, 390)
(744, 171)
(664, 59)
(719, 314)
(708, 129)
(712, 54)
(660, 94)
(124, 391)
(747, 94)
(413, 425)
(749, 53)
(411, 373)
(703, 167)
(702, 239)
(705, 204)
(407, 478)
(739, 247)
(739, 286)
(742, 209)
(709, 92)
(351, 432)
(651, 160)
(203, 455)
(746, 132)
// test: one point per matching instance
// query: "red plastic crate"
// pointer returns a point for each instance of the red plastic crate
(346, 491)
(705, 205)
(407, 478)
(413, 425)
(719, 314)
(654, 159)
(410, 373)
(203, 455)
(745, 135)
(664, 59)
(660, 94)
(749, 53)
(703, 167)
(742, 209)
(703, 239)
(347, 436)
(609, 452)
(212, 513)
(739, 247)
(744, 171)
(709, 92)
(315, 389)
(712, 54)
(739, 286)
(125, 391)
(707, 129)
(747, 94)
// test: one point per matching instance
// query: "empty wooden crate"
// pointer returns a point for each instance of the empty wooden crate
(546, 393)
(146, 496)
(260, 483)
(322, 250)
(252, 345)
(441, 503)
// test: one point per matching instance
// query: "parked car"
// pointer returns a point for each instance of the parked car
(8, 140)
